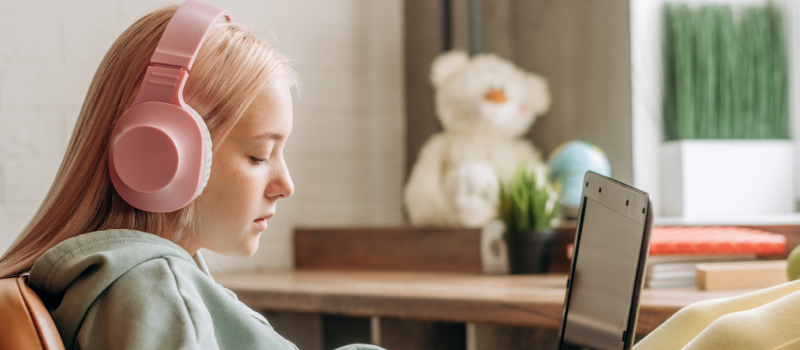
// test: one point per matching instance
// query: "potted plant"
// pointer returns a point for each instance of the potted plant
(727, 148)
(527, 207)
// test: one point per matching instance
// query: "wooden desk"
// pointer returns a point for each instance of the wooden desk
(348, 283)
(529, 301)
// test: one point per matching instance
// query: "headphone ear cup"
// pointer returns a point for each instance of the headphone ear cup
(156, 159)
(207, 137)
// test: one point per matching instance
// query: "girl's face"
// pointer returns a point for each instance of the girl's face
(248, 176)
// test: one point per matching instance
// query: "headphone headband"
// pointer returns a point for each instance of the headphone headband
(185, 33)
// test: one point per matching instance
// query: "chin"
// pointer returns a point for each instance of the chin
(245, 248)
(250, 246)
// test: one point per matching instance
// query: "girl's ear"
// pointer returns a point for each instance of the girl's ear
(539, 94)
(447, 65)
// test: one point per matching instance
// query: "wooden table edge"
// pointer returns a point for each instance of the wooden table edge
(479, 310)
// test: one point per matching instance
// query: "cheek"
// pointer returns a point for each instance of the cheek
(223, 196)
(242, 184)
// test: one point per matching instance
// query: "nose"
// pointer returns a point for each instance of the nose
(496, 96)
(281, 185)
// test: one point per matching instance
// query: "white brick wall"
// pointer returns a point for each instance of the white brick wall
(347, 147)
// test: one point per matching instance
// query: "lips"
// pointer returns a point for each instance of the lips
(266, 217)
(261, 222)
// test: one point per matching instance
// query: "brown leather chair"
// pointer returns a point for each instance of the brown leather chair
(24, 321)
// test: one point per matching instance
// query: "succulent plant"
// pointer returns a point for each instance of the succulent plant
(528, 201)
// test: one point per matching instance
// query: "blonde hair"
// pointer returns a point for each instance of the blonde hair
(232, 66)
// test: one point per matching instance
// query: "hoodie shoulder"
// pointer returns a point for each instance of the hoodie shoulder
(155, 304)
(134, 290)
(106, 255)
(122, 282)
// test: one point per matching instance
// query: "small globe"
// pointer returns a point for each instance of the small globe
(569, 163)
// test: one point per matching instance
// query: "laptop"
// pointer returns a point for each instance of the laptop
(608, 262)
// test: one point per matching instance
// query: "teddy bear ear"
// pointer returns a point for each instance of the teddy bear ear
(540, 94)
(447, 65)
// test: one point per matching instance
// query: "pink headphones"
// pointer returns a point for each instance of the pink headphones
(160, 151)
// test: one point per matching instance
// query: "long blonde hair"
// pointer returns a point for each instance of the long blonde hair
(231, 67)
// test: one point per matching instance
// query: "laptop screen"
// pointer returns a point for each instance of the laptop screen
(605, 273)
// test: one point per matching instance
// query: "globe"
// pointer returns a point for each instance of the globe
(569, 163)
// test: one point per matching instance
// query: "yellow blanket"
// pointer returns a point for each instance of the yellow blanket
(767, 319)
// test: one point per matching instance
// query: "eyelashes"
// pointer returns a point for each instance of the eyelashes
(258, 161)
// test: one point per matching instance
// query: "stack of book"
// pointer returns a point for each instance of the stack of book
(675, 251)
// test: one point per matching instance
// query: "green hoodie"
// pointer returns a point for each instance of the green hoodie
(125, 289)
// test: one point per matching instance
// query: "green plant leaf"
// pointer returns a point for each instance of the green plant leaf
(527, 200)
(723, 78)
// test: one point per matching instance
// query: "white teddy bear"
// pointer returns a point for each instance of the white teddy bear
(485, 105)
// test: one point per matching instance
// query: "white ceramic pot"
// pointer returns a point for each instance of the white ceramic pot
(701, 178)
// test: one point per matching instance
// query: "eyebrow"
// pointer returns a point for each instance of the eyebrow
(268, 136)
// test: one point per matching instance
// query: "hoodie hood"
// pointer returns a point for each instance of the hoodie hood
(125, 289)
(78, 270)
(89, 263)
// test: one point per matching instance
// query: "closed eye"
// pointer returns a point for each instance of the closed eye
(258, 161)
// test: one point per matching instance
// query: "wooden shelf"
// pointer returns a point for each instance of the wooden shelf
(405, 248)
(402, 248)
(517, 300)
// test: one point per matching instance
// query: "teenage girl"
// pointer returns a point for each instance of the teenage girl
(113, 249)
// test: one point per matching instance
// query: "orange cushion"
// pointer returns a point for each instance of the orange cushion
(26, 322)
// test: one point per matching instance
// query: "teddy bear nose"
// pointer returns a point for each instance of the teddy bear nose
(496, 96)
